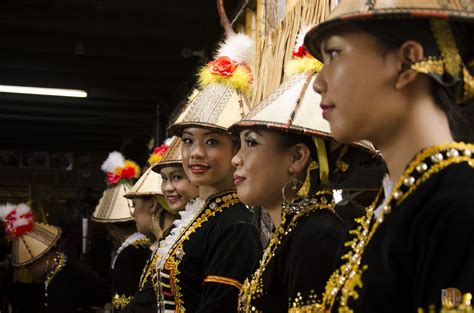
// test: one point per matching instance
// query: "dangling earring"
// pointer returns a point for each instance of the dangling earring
(294, 185)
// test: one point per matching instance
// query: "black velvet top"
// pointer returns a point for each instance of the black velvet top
(298, 261)
(418, 244)
(206, 266)
(127, 271)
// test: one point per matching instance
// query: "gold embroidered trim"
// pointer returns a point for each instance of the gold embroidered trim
(148, 271)
(143, 242)
(468, 84)
(212, 206)
(344, 281)
(447, 46)
(312, 308)
(309, 305)
(253, 286)
(223, 280)
(450, 60)
(429, 65)
(59, 262)
(120, 301)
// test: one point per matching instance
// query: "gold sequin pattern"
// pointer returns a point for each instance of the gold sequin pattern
(429, 65)
(148, 271)
(144, 242)
(120, 301)
(59, 262)
(447, 46)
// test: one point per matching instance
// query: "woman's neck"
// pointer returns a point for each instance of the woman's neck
(275, 213)
(206, 191)
(424, 126)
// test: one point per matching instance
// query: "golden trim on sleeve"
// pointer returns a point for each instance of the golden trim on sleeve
(143, 242)
(223, 280)
(312, 308)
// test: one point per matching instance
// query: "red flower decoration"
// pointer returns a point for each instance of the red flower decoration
(128, 173)
(223, 66)
(301, 52)
(161, 149)
(112, 178)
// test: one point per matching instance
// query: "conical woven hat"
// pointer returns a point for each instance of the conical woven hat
(149, 184)
(172, 156)
(217, 106)
(113, 206)
(294, 107)
(224, 85)
(354, 10)
(33, 245)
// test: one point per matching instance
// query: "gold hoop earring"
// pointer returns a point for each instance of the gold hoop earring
(295, 185)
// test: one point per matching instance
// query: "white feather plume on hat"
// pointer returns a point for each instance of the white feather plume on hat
(238, 47)
(113, 161)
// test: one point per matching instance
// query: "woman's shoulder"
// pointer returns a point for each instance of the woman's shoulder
(228, 209)
(447, 190)
(318, 227)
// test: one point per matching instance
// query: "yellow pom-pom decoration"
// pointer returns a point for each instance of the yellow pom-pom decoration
(130, 170)
(306, 64)
(154, 158)
(157, 154)
(224, 71)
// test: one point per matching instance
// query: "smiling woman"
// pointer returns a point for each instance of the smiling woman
(394, 71)
(216, 244)
(206, 159)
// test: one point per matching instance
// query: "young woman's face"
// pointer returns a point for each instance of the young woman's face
(357, 85)
(176, 187)
(143, 213)
(261, 168)
(207, 156)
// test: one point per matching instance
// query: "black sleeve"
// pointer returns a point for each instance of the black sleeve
(128, 270)
(445, 244)
(144, 301)
(232, 255)
(313, 255)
